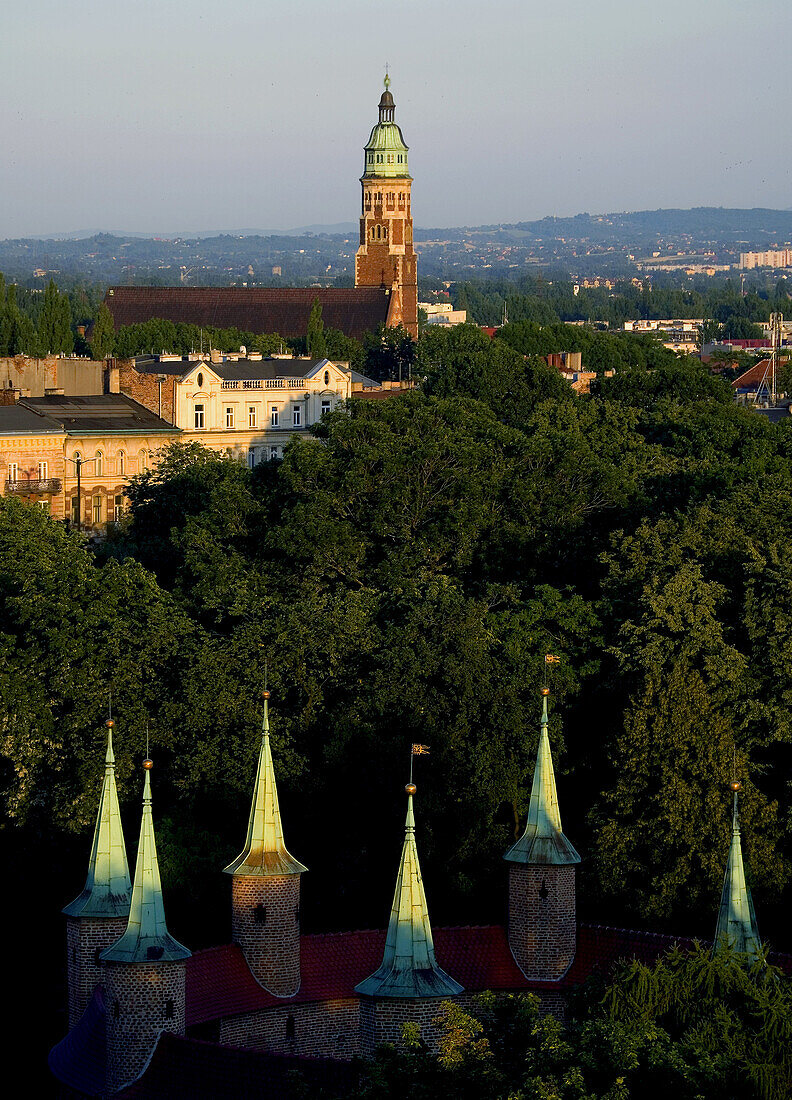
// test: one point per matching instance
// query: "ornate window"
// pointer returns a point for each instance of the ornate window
(99, 464)
(296, 415)
(97, 509)
(122, 462)
(13, 471)
(327, 377)
(43, 469)
(142, 461)
(118, 508)
(274, 416)
(200, 417)
(229, 416)
(251, 416)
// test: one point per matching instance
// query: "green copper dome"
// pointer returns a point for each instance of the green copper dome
(386, 151)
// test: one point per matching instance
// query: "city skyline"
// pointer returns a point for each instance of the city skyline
(167, 121)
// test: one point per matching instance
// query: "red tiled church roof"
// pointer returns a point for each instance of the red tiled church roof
(285, 311)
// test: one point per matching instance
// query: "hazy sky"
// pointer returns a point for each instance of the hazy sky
(187, 115)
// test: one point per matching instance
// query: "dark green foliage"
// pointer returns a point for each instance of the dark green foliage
(315, 338)
(691, 1026)
(103, 340)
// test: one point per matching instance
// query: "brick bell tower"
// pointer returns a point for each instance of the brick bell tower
(265, 893)
(542, 917)
(386, 256)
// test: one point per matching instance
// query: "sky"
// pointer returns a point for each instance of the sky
(197, 115)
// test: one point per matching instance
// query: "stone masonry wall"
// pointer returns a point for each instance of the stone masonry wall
(323, 1028)
(142, 999)
(542, 925)
(85, 938)
(120, 376)
(265, 922)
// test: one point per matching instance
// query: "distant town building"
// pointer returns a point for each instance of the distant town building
(780, 257)
(677, 334)
(443, 313)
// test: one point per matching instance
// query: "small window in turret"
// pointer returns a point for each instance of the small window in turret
(400, 158)
(169, 1013)
(290, 1028)
(260, 914)
(116, 1010)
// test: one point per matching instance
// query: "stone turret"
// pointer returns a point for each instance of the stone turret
(144, 969)
(265, 896)
(409, 986)
(542, 918)
(98, 916)
(736, 928)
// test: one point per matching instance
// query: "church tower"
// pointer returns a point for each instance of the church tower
(265, 894)
(386, 256)
(98, 916)
(542, 919)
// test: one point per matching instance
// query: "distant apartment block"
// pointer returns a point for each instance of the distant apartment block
(678, 335)
(781, 257)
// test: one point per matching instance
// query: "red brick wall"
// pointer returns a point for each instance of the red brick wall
(137, 996)
(120, 376)
(272, 945)
(542, 925)
(383, 1018)
(329, 1028)
(85, 937)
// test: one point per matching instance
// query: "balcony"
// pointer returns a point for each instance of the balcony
(34, 486)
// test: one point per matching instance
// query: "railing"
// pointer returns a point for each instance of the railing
(34, 485)
(266, 384)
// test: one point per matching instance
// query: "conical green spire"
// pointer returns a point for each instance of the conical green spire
(107, 887)
(409, 967)
(543, 841)
(737, 926)
(265, 851)
(146, 938)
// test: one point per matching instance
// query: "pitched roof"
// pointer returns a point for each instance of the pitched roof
(219, 981)
(285, 311)
(102, 412)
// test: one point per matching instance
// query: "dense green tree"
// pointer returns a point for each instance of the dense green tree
(315, 338)
(103, 334)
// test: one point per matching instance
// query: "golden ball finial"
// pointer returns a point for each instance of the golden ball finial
(545, 691)
(265, 694)
(735, 786)
(411, 788)
(109, 723)
(148, 764)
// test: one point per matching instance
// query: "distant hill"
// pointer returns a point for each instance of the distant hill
(587, 244)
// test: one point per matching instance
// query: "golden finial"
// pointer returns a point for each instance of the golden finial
(109, 723)
(265, 694)
(735, 786)
(411, 788)
(545, 691)
(148, 764)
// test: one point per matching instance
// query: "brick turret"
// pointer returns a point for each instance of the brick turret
(265, 891)
(144, 969)
(98, 916)
(386, 256)
(409, 986)
(542, 918)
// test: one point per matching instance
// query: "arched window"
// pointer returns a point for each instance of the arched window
(121, 462)
(142, 461)
(199, 380)
(99, 464)
(327, 378)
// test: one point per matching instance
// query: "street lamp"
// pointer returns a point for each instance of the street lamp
(79, 462)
